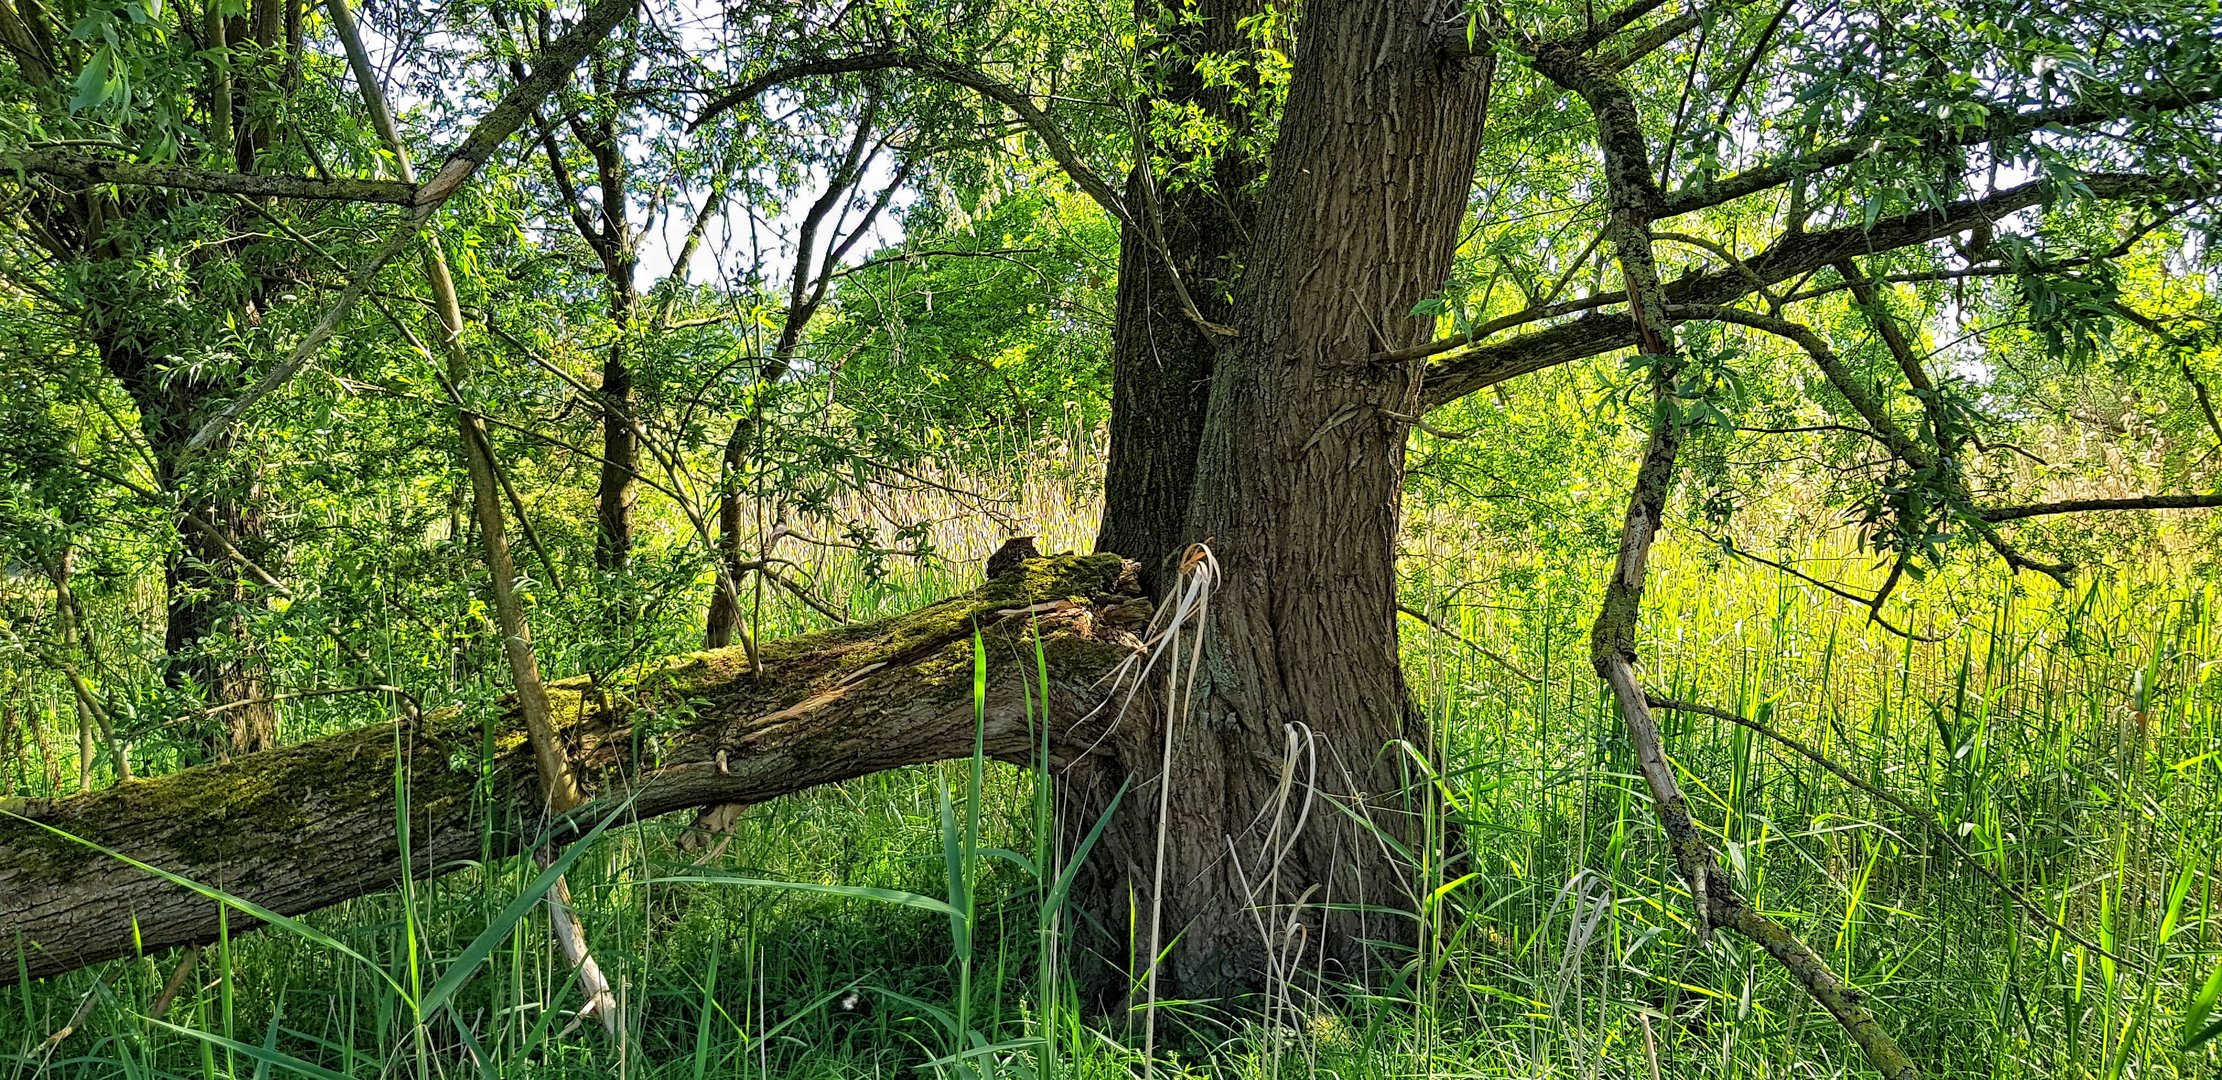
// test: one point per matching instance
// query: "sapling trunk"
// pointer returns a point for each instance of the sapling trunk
(554, 770)
(1632, 195)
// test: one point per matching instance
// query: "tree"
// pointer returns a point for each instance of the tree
(225, 90)
(1299, 290)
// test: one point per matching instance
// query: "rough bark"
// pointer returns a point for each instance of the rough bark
(1300, 701)
(312, 824)
(1161, 361)
(205, 639)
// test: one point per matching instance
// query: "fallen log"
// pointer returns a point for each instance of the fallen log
(314, 823)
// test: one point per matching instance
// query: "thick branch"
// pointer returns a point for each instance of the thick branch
(308, 825)
(1752, 181)
(1799, 253)
(1916, 453)
(1713, 899)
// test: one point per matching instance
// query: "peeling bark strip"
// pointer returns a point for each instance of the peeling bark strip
(309, 825)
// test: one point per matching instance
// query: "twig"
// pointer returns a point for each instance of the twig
(185, 965)
(1475, 646)
(1928, 820)
(1873, 604)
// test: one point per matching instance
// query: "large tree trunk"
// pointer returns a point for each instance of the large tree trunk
(308, 825)
(1300, 701)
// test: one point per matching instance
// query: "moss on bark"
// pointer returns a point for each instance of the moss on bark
(311, 824)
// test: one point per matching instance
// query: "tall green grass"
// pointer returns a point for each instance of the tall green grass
(902, 924)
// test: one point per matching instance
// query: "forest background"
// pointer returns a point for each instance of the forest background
(762, 321)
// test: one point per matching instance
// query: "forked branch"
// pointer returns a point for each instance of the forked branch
(1713, 898)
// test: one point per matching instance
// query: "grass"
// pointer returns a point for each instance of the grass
(2072, 740)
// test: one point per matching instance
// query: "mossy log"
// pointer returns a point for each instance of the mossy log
(312, 824)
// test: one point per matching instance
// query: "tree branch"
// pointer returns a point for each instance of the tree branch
(1995, 514)
(553, 68)
(1791, 255)
(1751, 181)
(87, 169)
(1060, 148)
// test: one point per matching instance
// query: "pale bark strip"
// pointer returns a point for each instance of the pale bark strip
(312, 824)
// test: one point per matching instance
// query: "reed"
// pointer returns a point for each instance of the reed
(904, 924)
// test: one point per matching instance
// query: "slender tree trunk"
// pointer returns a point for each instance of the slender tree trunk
(558, 781)
(614, 493)
(205, 633)
(724, 619)
(1300, 701)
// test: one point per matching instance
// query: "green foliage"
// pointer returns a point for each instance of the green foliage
(950, 386)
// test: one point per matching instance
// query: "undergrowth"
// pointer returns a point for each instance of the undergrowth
(2070, 739)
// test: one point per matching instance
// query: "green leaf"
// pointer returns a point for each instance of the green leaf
(1024, 864)
(854, 892)
(261, 1054)
(2178, 892)
(96, 82)
(1056, 897)
(497, 931)
(2202, 1006)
